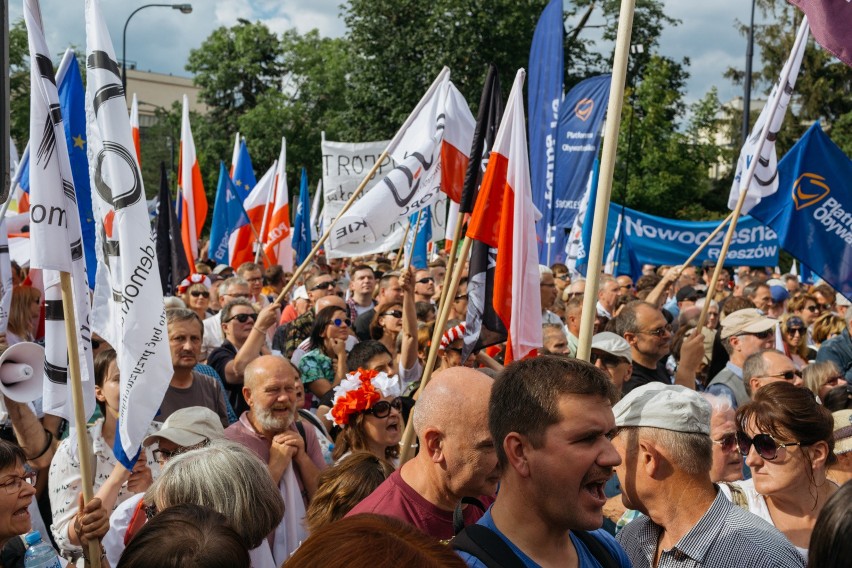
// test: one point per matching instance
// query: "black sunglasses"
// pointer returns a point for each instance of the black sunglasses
(339, 322)
(202, 293)
(382, 409)
(765, 445)
(242, 318)
(608, 359)
(728, 442)
(324, 286)
(762, 335)
(787, 375)
(426, 280)
(395, 313)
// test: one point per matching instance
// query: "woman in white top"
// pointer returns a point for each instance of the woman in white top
(787, 439)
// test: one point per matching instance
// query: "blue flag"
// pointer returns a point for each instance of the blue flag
(23, 173)
(228, 216)
(244, 179)
(544, 79)
(420, 258)
(812, 209)
(72, 102)
(302, 226)
(578, 138)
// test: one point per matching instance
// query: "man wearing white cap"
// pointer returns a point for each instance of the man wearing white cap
(612, 354)
(665, 447)
(744, 333)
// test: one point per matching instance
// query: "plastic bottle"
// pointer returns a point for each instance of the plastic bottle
(39, 554)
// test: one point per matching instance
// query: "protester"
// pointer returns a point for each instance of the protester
(252, 273)
(554, 341)
(15, 499)
(612, 354)
(786, 437)
(574, 289)
(769, 366)
(362, 283)
(298, 306)
(395, 326)
(317, 286)
(665, 447)
(274, 279)
(607, 294)
(324, 366)
(307, 344)
(368, 409)
(838, 398)
(195, 293)
(841, 471)
(712, 312)
(390, 290)
(307, 419)
(455, 459)
(838, 350)
(24, 315)
(821, 377)
(231, 289)
(825, 327)
(727, 461)
(458, 306)
(343, 486)
(547, 285)
(573, 316)
(424, 286)
(795, 336)
(551, 419)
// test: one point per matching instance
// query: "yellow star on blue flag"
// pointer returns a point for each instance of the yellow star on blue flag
(79, 142)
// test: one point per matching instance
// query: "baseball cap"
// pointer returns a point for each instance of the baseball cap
(613, 344)
(669, 407)
(748, 320)
(189, 426)
(687, 292)
(779, 293)
(842, 431)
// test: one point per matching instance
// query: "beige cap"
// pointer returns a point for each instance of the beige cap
(748, 320)
(188, 427)
(670, 407)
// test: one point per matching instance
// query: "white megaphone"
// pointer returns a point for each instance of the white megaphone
(22, 372)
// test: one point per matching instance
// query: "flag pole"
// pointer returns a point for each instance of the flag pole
(391, 147)
(401, 251)
(83, 444)
(452, 257)
(783, 82)
(413, 240)
(263, 223)
(443, 313)
(610, 145)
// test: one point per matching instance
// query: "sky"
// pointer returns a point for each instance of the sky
(159, 39)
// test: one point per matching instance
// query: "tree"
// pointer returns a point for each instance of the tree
(19, 84)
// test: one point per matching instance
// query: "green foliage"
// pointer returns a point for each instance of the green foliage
(19, 84)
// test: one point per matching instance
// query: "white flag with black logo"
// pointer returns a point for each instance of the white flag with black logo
(55, 236)
(129, 298)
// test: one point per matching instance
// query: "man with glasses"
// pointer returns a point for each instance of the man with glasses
(625, 285)
(547, 285)
(838, 350)
(424, 286)
(252, 273)
(231, 289)
(317, 286)
(245, 340)
(769, 366)
(649, 335)
(666, 454)
(744, 333)
(727, 459)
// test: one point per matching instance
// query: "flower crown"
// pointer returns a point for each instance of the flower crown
(358, 392)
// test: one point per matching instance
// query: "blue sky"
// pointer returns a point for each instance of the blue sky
(159, 39)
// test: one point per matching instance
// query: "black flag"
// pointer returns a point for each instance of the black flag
(483, 326)
(170, 256)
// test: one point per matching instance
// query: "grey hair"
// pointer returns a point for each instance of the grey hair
(717, 403)
(183, 314)
(544, 269)
(228, 478)
(699, 303)
(232, 281)
(689, 452)
(173, 302)
(755, 365)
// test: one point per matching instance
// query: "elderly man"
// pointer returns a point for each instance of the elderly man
(189, 387)
(665, 447)
(608, 291)
(761, 294)
(612, 354)
(456, 457)
(551, 420)
(547, 285)
(769, 366)
(744, 333)
(269, 429)
(575, 289)
(727, 459)
(554, 340)
(230, 289)
(838, 350)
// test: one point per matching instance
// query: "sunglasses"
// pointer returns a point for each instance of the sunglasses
(762, 335)
(339, 322)
(201, 293)
(665, 330)
(242, 318)
(164, 455)
(765, 445)
(787, 375)
(728, 442)
(795, 330)
(813, 309)
(382, 409)
(395, 313)
(426, 280)
(324, 286)
(607, 359)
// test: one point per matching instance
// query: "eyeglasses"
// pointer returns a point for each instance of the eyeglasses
(728, 442)
(665, 330)
(242, 318)
(324, 286)
(787, 375)
(395, 313)
(561, 276)
(164, 455)
(382, 409)
(765, 445)
(607, 359)
(14, 484)
(339, 322)
(426, 280)
(461, 297)
(201, 293)
(761, 335)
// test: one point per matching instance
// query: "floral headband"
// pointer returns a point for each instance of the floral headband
(358, 392)
(196, 278)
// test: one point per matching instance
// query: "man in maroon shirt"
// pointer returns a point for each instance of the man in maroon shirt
(456, 458)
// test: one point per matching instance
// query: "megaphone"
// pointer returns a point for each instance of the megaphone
(22, 372)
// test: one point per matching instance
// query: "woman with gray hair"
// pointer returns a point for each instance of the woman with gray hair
(228, 478)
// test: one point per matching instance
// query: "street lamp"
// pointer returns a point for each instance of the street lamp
(747, 85)
(184, 9)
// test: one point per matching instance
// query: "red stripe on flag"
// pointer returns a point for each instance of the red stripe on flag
(453, 168)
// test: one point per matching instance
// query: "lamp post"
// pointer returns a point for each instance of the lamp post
(747, 85)
(184, 9)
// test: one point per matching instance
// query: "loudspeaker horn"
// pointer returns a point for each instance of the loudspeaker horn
(22, 372)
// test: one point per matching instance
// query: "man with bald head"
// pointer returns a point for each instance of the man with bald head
(292, 454)
(456, 458)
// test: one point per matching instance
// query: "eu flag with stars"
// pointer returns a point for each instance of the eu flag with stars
(243, 177)
(812, 209)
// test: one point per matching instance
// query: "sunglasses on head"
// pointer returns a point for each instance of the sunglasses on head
(607, 359)
(242, 318)
(324, 286)
(728, 442)
(382, 409)
(201, 293)
(339, 322)
(765, 445)
(426, 280)
(395, 313)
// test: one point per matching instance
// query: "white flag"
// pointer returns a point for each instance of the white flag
(765, 180)
(55, 236)
(129, 299)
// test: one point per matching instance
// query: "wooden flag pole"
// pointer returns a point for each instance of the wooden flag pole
(783, 82)
(413, 240)
(74, 382)
(443, 313)
(401, 251)
(452, 257)
(610, 144)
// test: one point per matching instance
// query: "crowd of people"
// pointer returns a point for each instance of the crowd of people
(280, 437)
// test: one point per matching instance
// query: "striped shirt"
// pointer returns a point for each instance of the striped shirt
(725, 536)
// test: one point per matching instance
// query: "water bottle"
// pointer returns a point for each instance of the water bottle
(39, 554)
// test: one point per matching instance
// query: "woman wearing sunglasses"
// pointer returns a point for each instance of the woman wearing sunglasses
(197, 299)
(395, 326)
(324, 365)
(368, 408)
(787, 440)
(795, 335)
(822, 376)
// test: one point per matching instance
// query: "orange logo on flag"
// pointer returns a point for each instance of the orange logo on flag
(584, 109)
(803, 187)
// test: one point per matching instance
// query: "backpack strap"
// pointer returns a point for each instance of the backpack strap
(598, 550)
(487, 546)
(301, 428)
(458, 512)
